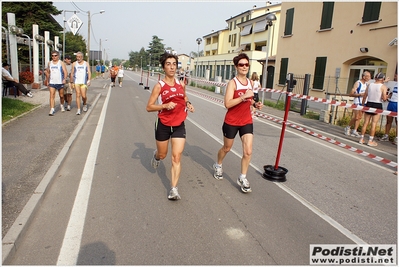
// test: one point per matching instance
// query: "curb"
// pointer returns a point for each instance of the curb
(15, 234)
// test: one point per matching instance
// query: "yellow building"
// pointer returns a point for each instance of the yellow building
(246, 32)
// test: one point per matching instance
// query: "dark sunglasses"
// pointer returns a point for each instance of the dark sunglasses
(243, 64)
(54, 55)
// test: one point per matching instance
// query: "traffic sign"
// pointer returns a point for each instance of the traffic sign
(75, 23)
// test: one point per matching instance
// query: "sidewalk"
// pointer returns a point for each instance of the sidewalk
(31, 143)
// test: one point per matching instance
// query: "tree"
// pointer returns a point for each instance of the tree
(74, 43)
(27, 14)
(156, 48)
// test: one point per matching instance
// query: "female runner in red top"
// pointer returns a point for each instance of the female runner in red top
(169, 98)
(238, 101)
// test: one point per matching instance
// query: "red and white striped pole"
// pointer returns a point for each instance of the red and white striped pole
(147, 87)
(141, 79)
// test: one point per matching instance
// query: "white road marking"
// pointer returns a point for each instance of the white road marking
(73, 235)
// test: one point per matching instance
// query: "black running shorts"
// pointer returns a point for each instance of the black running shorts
(230, 131)
(163, 132)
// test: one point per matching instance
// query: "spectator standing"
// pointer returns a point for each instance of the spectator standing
(120, 76)
(392, 106)
(81, 76)
(238, 100)
(256, 85)
(358, 90)
(375, 93)
(56, 78)
(68, 91)
(172, 106)
(6, 76)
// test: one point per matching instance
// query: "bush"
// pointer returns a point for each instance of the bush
(26, 77)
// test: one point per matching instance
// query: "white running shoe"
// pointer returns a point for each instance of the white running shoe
(51, 112)
(155, 162)
(218, 172)
(62, 108)
(347, 130)
(78, 112)
(355, 134)
(243, 182)
(29, 94)
(68, 108)
(85, 108)
(384, 138)
(174, 194)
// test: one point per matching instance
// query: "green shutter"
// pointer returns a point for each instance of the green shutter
(319, 72)
(289, 20)
(371, 11)
(327, 15)
(283, 71)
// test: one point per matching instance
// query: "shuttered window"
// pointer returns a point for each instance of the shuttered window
(371, 11)
(283, 71)
(289, 20)
(319, 72)
(327, 15)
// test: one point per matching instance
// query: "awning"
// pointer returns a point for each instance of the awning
(260, 26)
(246, 30)
(240, 48)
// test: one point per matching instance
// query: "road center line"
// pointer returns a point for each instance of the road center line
(73, 235)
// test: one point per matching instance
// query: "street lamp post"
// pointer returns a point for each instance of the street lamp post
(199, 40)
(269, 18)
(63, 33)
(88, 33)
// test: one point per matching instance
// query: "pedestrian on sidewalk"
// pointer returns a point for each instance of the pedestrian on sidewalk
(68, 91)
(56, 75)
(172, 112)
(6, 76)
(375, 93)
(392, 106)
(81, 76)
(256, 83)
(358, 89)
(98, 70)
(102, 71)
(120, 75)
(238, 100)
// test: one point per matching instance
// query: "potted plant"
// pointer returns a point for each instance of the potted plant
(26, 77)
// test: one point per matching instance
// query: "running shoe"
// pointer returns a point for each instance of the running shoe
(347, 130)
(85, 108)
(68, 108)
(29, 94)
(384, 138)
(218, 172)
(243, 182)
(51, 112)
(78, 112)
(174, 194)
(395, 141)
(355, 134)
(361, 141)
(372, 143)
(154, 161)
(62, 108)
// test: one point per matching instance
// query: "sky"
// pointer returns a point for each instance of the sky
(129, 25)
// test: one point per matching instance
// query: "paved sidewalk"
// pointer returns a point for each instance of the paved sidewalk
(31, 143)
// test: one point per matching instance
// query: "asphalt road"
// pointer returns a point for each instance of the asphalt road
(106, 205)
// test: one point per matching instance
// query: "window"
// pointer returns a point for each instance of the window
(319, 72)
(327, 15)
(233, 40)
(283, 71)
(208, 41)
(247, 30)
(371, 11)
(259, 45)
(231, 26)
(230, 38)
(289, 20)
(260, 26)
(235, 24)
